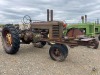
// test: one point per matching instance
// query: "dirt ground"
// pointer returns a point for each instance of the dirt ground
(36, 61)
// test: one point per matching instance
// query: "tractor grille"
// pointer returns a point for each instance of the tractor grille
(55, 32)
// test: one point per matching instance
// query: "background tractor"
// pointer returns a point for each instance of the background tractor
(90, 29)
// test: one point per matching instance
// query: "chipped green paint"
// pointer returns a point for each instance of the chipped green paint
(90, 28)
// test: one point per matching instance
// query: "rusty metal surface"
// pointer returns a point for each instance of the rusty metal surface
(74, 32)
(55, 28)
(55, 31)
(44, 23)
(86, 39)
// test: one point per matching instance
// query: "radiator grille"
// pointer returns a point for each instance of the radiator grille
(55, 32)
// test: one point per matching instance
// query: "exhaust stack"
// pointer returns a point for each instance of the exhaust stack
(97, 21)
(85, 18)
(49, 15)
(82, 17)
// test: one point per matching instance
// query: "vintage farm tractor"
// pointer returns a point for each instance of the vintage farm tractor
(39, 33)
(76, 37)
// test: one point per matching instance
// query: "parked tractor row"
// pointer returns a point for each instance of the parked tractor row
(41, 32)
(89, 29)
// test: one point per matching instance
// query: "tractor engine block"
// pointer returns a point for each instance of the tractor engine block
(28, 36)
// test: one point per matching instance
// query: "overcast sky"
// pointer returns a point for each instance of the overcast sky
(12, 11)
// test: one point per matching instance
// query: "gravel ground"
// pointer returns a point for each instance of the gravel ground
(36, 61)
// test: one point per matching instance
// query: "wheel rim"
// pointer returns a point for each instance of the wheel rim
(9, 39)
(92, 44)
(57, 55)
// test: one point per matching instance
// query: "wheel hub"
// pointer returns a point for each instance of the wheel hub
(57, 52)
(9, 39)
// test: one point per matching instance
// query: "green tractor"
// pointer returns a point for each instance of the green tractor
(89, 29)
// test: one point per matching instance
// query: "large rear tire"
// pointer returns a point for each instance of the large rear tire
(58, 52)
(10, 39)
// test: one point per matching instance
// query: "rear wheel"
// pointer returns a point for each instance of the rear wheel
(58, 52)
(40, 44)
(10, 39)
(99, 37)
(93, 44)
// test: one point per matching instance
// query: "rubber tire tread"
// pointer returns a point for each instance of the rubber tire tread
(15, 37)
(62, 50)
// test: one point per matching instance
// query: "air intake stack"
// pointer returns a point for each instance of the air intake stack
(82, 17)
(49, 15)
(97, 21)
(85, 18)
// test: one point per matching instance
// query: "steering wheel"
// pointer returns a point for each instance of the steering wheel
(26, 19)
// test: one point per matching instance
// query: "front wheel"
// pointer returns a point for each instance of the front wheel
(58, 52)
